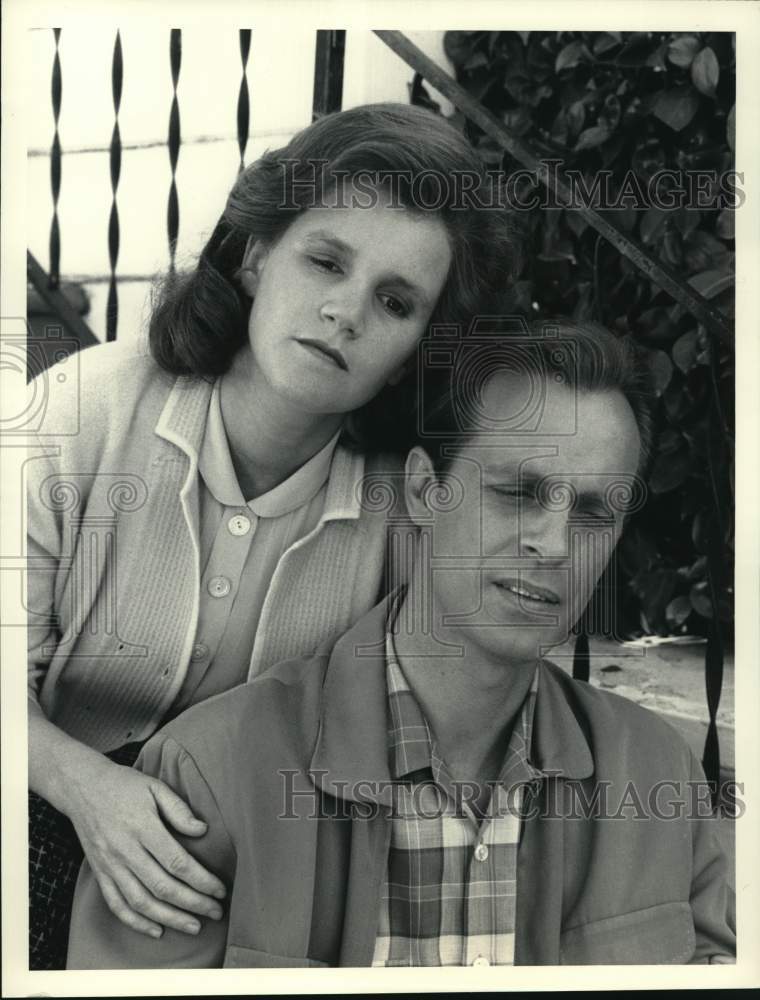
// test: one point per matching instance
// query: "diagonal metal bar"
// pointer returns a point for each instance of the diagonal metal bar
(58, 303)
(658, 272)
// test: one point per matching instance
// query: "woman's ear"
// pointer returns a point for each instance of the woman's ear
(418, 479)
(254, 256)
(398, 376)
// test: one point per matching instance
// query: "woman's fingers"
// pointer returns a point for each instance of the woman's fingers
(117, 904)
(176, 811)
(149, 905)
(181, 880)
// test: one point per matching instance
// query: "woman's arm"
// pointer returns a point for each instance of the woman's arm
(99, 940)
(148, 879)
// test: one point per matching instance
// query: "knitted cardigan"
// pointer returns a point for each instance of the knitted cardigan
(113, 550)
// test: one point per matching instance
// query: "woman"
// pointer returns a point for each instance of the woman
(204, 521)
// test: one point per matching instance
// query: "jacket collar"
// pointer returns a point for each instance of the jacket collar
(183, 423)
(350, 759)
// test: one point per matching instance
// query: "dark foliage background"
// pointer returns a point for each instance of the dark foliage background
(641, 102)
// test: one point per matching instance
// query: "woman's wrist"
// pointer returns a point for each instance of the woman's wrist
(61, 769)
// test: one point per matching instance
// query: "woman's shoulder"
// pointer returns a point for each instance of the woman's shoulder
(89, 394)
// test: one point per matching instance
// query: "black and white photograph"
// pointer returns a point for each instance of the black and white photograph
(379, 490)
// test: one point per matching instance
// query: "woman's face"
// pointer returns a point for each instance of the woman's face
(341, 301)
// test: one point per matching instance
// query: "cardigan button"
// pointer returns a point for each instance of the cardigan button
(200, 650)
(239, 525)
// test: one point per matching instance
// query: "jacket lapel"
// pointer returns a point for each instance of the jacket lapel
(561, 751)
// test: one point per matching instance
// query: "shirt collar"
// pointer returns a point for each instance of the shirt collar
(218, 472)
(352, 744)
(411, 744)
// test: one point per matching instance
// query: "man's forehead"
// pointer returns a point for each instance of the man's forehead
(538, 425)
(528, 402)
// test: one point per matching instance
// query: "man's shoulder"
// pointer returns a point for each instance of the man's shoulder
(272, 718)
(620, 730)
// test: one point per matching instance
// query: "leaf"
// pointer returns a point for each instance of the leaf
(570, 56)
(652, 224)
(704, 251)
(606, 41)
(669, 471)
(700, 532)
(560, 130)
(678, 610)
(724, 227)
(657, 59)
(700, 600)
(576, 223)
(476, 60)
(610, 113)
(711, 283)
(705, 72)
(662, 370)
(458, 45)
(685, 350)
(592, 137)
(576, 116)
(682, 50)
(676, 107)
(731, 128)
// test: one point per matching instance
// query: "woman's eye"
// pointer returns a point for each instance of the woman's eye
(325, 264)
(395, 306)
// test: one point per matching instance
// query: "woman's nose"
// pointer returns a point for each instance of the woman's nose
(344, 313)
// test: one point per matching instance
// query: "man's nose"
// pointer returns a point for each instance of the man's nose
(543, 534)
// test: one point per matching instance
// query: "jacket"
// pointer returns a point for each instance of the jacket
(292, 776)
(113, 550)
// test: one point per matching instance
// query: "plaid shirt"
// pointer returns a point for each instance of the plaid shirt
(450, 887)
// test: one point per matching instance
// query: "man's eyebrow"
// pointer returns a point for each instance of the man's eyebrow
(325, 236)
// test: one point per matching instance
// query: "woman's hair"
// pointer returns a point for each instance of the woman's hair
(200, 319)
(583, 356)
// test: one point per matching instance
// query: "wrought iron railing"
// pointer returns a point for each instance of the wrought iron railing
(327, 97)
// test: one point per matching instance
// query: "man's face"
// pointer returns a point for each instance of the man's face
(535, 527)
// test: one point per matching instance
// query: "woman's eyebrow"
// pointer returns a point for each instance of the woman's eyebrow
(331, 240)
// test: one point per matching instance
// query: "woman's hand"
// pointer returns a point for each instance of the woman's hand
(149, 881)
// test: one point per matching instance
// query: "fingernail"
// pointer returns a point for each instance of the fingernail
(215, 913)
(220, 893)
(156, 933)
(192, 927)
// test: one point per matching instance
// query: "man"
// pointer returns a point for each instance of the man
(430, 791)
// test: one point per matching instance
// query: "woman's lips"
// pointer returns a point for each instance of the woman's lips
(324, 351)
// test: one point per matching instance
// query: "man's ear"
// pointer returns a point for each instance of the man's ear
(419, 477)
(253, 258)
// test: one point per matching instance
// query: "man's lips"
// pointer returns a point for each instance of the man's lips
(324, 349)
(525, 590)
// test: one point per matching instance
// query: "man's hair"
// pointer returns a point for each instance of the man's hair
(200, 319)
(584, 356)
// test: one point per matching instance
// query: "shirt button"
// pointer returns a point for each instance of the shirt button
(239, 524)
(199, 651)
(481, 852)
(481, 960)
(219, 586)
